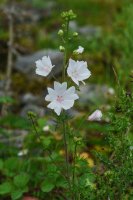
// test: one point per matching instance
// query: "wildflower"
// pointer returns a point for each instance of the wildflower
(60, 32)
(44, 66)
(61, 48)
(111, 91)
(95, 116)
(79, 50)
(23, 152)
(78, 71)
(131, 148)
(46, 128)
(61, 97)
(75, 34)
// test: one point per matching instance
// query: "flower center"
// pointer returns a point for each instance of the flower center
(59, 98)
(75, 73)
(46, 69)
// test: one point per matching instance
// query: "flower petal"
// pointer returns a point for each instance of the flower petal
(66, 104)
(57, 109)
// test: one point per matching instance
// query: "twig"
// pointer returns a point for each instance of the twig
(10, 56)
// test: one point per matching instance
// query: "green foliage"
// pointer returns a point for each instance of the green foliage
(6, 100)
(14, 121)
(21, 180)
(115, 180)
(47, 186)
(5, 188)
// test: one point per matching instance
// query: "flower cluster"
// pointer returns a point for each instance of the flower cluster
(60, 97)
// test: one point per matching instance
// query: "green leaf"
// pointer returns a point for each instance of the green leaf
(46, 141)
(16, 194)
(21, 180)
(6, 99)
(60, 182)
(11, 166)
(15, 121)
(46, 186)
(5, 188)
(1, 164)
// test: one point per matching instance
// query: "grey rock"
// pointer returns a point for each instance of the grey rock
(73, 26)
(30, 98)
(94, 94)
(26, 64)
(73, 112)
(90, 31)
(2, 84)
(33, 13)
(2, 94)
(39, 110)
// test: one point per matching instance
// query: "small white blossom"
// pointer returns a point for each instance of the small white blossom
(95, 116)
(131, 148)
(111, 91)
(79, 50)
(78, 71)
(23, 152)
(61, 97)
(44, 66)
(46, 128)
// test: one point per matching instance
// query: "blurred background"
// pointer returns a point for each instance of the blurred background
(28, 31)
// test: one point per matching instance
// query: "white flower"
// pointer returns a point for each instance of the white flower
(44, 66)
(78, 71)
(79, 50)
(131, 148)
(23, 152)
(61, 97)
(111, 91)
(46, 128)
(95, 116)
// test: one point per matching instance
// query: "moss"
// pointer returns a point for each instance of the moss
(22, 84)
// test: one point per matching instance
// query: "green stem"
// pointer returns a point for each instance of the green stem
(66, 153)
(66, 51)
(65, 144)
(63, 121)
(74, 162)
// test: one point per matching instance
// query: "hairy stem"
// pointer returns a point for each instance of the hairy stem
(63, 121)
(74, 162)
(66, 152)
(66, 50)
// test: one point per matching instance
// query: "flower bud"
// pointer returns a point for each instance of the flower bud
(77, 140)
(68, 15)
(71, 14)
(61, 48)
(75, 53)
(31, 114)
(79, 50)
(95, 116)
(60, 32)
(63, 25)
(75, 34)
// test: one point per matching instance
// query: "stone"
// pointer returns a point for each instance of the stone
(39, 110)
(30, 98)
(94, 94)
(90, 31)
